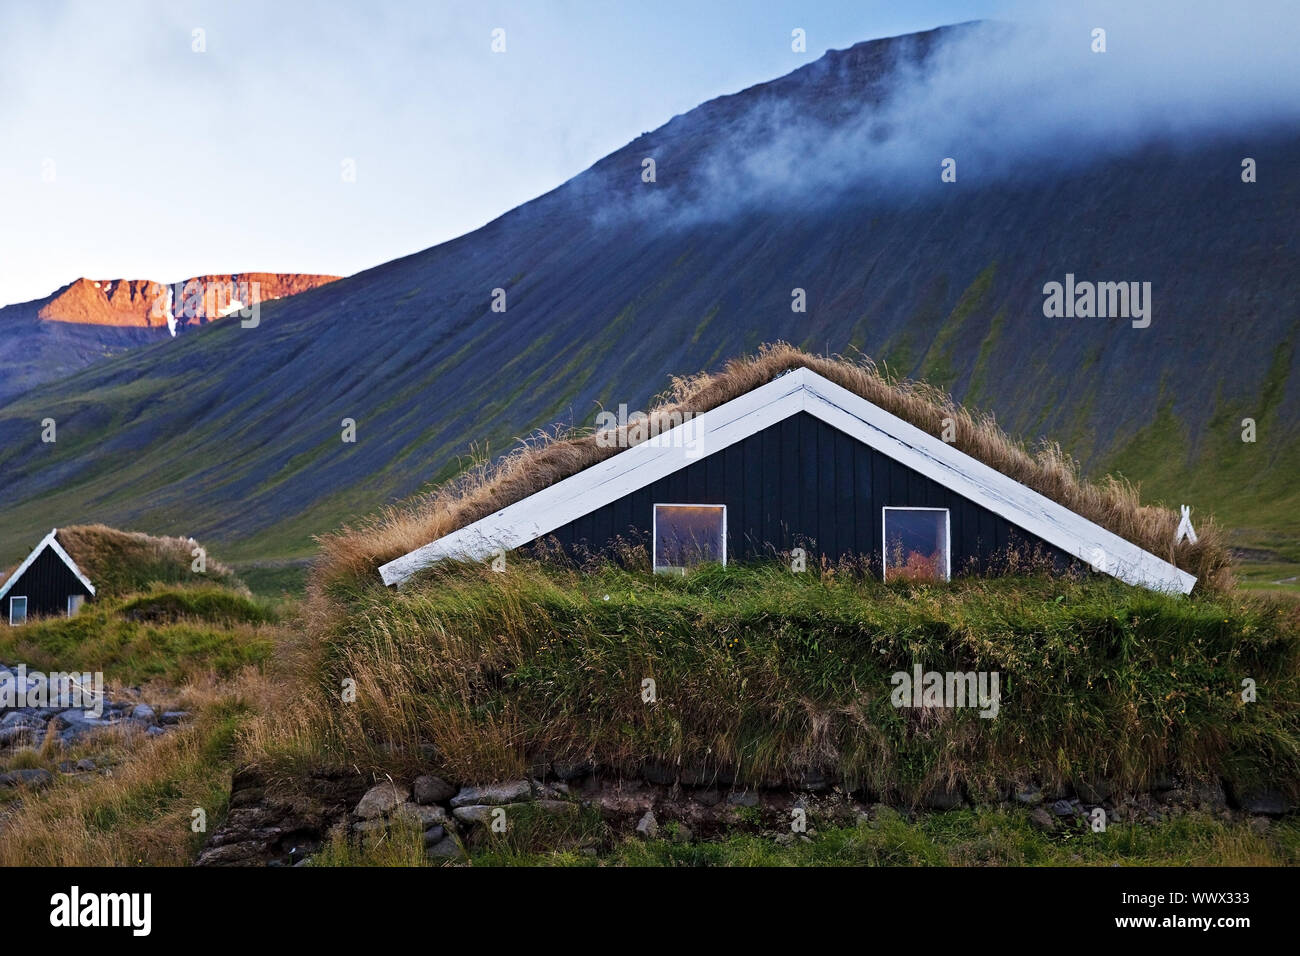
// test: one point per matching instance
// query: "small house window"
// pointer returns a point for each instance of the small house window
(74, 603)
(687, 535)
(916, 544)
(17, 610)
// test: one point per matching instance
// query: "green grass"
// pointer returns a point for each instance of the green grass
(981, 838)
(166, 634)
(399, 846)
(939, 365)
(1249, 486)
(972, 837)
(275, 580)
(767, 673)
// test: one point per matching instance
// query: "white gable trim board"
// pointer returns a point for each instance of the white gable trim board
(801, 390)
(49, 541)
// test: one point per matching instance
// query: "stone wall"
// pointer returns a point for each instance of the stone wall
(279, 831)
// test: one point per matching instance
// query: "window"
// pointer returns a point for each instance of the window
(916, 544)
(687, 535)
(74, 603)
(17, 610)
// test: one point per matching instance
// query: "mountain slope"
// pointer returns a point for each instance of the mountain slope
(88, 320)
(612, 284)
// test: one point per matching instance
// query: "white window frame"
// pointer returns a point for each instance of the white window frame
(12, 599)
(79, 598)
(654, 533)
(884, 538)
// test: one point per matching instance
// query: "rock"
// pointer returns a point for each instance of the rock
(1175, 798)
(370, 829)
(34, 779)
(551, 791)
(430, 789)
(74, 724)
(155, 731)
(1042, 820)
(170, 717)
(445, 849)
(14, 736)
(556, 807)
(659, 774)
(381, 800)
(1264, 801)
(647, 827)
(1210, 796)
(694, 775)
(683, 834)
(86, 765)
(482, 814)
(230, 854)
(815, 781)
(1094, 790)
(246, 797)
(434, 836)
(1063, 808)
(708, 798)
(1029, 797)
(422, 815)
(22, 718)
(743, 798)
(784, 839)
(497, 794)
(144, 713)
(944, 797)
(572, 770)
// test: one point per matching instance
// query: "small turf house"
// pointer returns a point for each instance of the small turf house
(47, 583)
(801, 461)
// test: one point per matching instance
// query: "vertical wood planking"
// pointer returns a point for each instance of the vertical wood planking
(802, 480)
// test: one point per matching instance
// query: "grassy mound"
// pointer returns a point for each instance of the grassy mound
(120, 562)
(768, 675)
(1112, 503)
(168, 634)
(206, 603)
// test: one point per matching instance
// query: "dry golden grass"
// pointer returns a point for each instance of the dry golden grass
(355, 552)
(121, 561)
(140, 813)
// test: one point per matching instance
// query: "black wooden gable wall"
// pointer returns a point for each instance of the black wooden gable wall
(803, 483)
(46, 583)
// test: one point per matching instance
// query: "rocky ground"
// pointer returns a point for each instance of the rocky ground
(34, 727)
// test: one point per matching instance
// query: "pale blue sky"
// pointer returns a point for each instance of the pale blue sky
(168, 163)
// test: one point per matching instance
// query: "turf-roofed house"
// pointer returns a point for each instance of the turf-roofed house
(799, 464)
(47, 583)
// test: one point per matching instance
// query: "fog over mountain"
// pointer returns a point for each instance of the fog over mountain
(1009, 102)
